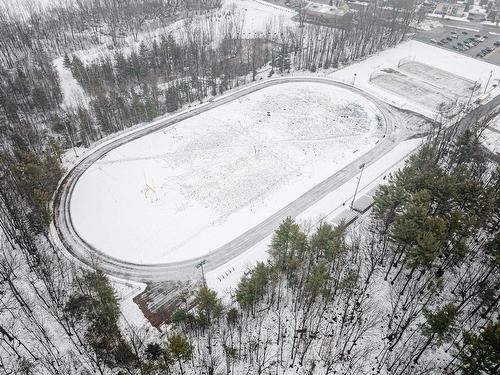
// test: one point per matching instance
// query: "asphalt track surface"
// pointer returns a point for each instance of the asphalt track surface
(67, 239)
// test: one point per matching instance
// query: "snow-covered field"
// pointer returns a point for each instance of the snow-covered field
(423, 83)
(413, 88)
(192, 187)
(456, 64)
(441, 78)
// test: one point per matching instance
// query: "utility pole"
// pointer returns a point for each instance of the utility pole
(200, 265)
(488, 82)
(472, 93)
(362, 167)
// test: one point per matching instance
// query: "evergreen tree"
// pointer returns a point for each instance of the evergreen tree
(481, 353)
(180, 349)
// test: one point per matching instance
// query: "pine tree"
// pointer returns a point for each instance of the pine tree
(438, 327)
(180, 349)
(288, 247)
(481, 354)
(67, 61)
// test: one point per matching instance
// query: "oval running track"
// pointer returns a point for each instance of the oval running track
(66, 238)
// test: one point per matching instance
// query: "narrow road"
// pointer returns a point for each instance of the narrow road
(65, 236)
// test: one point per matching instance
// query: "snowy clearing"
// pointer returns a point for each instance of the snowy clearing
(259, 15)
(184, 191)
(73, 93)
(412, 88)
(456, 64)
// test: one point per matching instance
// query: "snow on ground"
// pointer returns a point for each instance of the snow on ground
(412, 88)
(130, 312)
(440, 58)
(447, 17)
(259, 15)
(73, 93)
(441, 78)
(424, 84)
(22, 7)
(428, 24)
(252, 16)
(491, 136)
(225, 279)
(193, 187)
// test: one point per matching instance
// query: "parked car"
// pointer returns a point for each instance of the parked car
(497, 43)
(464, 32)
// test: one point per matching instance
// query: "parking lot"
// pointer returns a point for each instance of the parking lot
(474, 42)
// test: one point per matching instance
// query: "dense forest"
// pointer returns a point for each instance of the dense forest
(413, 290)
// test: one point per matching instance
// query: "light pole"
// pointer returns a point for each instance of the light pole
(200, 265)
(472, 93)
(362, 167)
(488, 82)
(354, 79)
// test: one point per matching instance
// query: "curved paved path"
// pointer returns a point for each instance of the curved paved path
(67, 238)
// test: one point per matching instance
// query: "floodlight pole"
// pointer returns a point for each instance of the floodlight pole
(362, 167)
(472, 93)
(200, 265)
(488, 82)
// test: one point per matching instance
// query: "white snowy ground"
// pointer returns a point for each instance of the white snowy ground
(192, 187)
(131, 315)
(491, 136)
(454, 63)
(21, 7)
(225, 279)
(454, 18)
(413, 88)
(73, 93)
(259, 14)
(251, 16)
